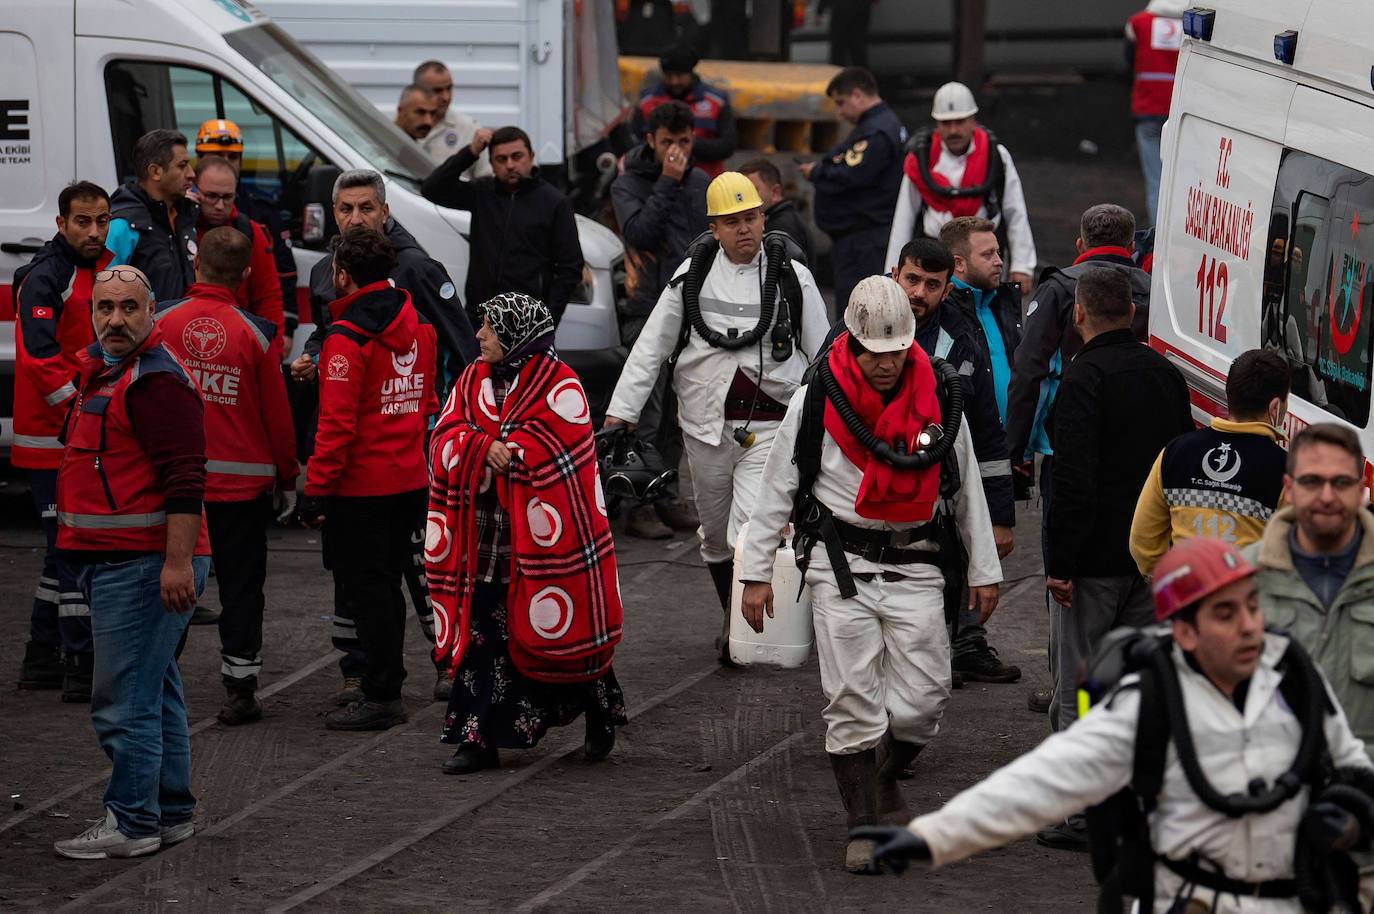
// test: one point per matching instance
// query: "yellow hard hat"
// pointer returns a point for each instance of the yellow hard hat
(730, 193)
(218, 135)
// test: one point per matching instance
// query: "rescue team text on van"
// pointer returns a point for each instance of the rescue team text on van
(81, 80)
(1267, 205)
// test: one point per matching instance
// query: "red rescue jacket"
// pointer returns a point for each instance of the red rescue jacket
(108, 498)
(250, 443)
(377, 374)
(260, 293)
(52, 326)
(1157, 42)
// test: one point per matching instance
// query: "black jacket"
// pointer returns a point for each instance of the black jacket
(269, 217)
(1006, 308)
(162, 253)
(783, 217)
(857, 181)
(522, 241)
(1050, 340)
(965, 353)
(431, 291)
(1120, 403)
(658, 218)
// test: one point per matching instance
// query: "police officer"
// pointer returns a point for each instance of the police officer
(452, 128)
(250, 447)
(1225, 807)
(713, 119)
(739, 356)
(870, 513)
(956, 155)
(52, 327)
(223, 138)
(856, 183)
(154, 224)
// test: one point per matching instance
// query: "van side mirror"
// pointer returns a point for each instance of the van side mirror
(317, 218)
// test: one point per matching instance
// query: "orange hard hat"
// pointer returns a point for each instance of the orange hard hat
(1193, 570)
(219, 135)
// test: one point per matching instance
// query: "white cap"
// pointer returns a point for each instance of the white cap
(879, 315)
(953, 102)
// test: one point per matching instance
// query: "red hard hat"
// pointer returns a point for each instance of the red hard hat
(1194, 569)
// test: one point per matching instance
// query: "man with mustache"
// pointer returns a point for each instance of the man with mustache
(129, 494)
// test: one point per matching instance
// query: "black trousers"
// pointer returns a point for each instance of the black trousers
(367, 544)
(857, 255)
(849, 32)
(238, 544)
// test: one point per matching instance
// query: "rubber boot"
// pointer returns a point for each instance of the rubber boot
(76, 684)
(723, 576)
(856, 775)
(894, 758)
(42, 667)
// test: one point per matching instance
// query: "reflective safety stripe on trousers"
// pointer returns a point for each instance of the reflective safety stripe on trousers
(234, 468)
(111, 521)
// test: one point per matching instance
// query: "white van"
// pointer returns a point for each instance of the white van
(1266, 214)
(81, 80)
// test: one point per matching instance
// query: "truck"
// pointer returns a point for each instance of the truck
(83, 79)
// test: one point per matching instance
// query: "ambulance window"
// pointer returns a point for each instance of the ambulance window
(1319, 281)
(145, 95)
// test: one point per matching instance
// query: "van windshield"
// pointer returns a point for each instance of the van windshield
(333, 101)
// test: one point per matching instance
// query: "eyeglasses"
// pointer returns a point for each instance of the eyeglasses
(217, 199)
(107, 275)
(1311, 482)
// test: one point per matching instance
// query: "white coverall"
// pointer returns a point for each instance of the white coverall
(1093, 759)
(884, 651)
(1021, 257)
(451, 133)
(725, 476)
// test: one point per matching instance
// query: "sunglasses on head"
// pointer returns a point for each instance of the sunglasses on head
(107, 275)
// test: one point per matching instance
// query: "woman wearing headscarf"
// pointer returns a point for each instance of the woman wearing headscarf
(518, 548)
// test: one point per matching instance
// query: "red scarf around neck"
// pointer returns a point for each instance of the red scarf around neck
(886, 492)
(975, 172)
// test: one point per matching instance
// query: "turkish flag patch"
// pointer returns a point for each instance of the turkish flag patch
(42, 314)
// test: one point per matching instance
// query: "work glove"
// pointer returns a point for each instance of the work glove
(311, 510)
(284, 505)
(896, 846)
(1330, 827)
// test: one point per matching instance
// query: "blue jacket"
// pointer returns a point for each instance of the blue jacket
(857, 181)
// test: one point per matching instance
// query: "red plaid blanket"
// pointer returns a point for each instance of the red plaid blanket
(563, 607)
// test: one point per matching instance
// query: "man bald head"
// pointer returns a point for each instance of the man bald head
(121, 309)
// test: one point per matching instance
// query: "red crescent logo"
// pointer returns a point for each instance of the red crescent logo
(551, 613)
(546, 525)
(438, 541)
(569, 402)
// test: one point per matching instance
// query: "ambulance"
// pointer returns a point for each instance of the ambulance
(1266, 214)
(81, 80)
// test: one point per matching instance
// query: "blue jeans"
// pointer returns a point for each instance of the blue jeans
(137, 707)
(1148, 132)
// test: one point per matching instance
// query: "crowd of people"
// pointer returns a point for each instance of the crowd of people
(448, 454)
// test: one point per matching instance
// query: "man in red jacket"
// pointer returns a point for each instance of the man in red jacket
(250, 448)
(52, 326)
(377, 373)
(1154, 37)
(260, 291)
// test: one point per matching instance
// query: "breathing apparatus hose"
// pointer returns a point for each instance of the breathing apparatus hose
(1261, 798)
(945, 374)
(1324, 874)
(691, 293)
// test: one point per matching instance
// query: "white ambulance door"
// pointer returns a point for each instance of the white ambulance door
(1322, 248)
(507, 56)
(1221, 153)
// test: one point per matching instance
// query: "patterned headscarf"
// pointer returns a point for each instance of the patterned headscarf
(524, 328)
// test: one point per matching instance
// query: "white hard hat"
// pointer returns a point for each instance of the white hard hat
(953, 102)
(879, 315)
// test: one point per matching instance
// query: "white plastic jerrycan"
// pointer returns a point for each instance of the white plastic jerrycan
(787, 636)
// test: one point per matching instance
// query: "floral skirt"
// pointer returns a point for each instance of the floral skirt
(495, 707)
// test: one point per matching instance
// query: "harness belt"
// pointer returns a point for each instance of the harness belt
(1189, 871)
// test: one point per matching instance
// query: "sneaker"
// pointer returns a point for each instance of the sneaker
(599, 739)
(1039, 700)
(76, 684)
(1069, 835)
(678, 514)
(645, 525)
(367, 715)
(42, 667)
(351, 691)
(982, 665)
(443, 686)
(104, 839)
(203, 616)
(175, 834)
(469, 759)
(240, 707)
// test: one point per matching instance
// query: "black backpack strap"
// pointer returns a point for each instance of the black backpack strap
(1151, 741)
(700, 253)
(814, 522)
